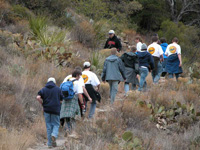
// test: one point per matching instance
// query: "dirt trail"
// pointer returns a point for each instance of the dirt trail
(61, 139)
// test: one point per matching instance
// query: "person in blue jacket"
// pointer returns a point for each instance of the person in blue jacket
(50, 98)
(146, 65)
(164, 47)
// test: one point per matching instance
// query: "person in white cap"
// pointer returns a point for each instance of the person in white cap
(91, 80)
(113, 41)
(50, 98)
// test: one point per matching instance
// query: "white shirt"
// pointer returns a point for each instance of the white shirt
(155, 49)
(80, 80)
(139, 45)
(90, 78)
(172, 49)
(78, 89)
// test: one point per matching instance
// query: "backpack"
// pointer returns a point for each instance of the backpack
(67, 89)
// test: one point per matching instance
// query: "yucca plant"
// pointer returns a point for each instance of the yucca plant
(45, 34)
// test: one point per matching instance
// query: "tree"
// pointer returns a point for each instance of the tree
(182, 10)
(151, 16)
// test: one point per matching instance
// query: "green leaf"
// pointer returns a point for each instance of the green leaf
(62, 50)
(137, 142)
(127, 136)
(161, 109)
(149, 106)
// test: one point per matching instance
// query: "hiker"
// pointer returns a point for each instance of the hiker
(50, 98)
(138, 41)
(113, 41)
(84, 89)
(91, 80)
(70, 107)
(164, 46)
(130, 60)
(156, 51)
(113, 71)
(146, 65)
(174, 61)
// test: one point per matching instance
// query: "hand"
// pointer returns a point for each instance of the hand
(83, 106)
(180, 64)
(90, 99)
(137, 76)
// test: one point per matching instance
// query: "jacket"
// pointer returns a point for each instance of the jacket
(164, 47)
(51, 95)
(146, 59)
(113, 69)
(130, 60)
(113, 42)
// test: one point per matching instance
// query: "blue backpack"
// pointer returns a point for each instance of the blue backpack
(67, 89)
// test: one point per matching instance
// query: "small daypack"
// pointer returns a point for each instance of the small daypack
(67, 89)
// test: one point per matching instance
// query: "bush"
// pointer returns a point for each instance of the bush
(188, 38)
(45, 34)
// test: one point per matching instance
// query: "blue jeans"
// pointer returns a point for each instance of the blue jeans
(92, 110)
(52, 125)
(70, 124)
(156, 74)
(113, 89)
(171, 75)
(143, 74)
(126, 87)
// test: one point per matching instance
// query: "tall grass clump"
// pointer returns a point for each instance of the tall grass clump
(45, 34)
(97, 61)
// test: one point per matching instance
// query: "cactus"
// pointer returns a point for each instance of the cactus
(127, 136)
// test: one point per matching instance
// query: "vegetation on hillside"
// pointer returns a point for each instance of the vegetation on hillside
(42, 38)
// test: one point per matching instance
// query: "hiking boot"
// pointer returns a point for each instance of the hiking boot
(53, 141)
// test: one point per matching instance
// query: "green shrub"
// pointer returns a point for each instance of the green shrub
(45, 34)
(188, 38)
(22, 12)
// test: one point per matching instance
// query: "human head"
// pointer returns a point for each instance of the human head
(154, 39)
(143, 47)
(175, 39)
(163, 40)
(111, 33)
(76, 74)
(78, 68)
(138, 39)
(133, 49)
(51, 79)
(86, 65)
(155, 34)
(113, 51)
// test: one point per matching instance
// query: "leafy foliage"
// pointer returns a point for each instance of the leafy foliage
(188, 38)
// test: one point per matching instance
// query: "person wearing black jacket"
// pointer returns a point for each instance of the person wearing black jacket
(113, 41)
(131, 63)
(50, 97)
(146, 64)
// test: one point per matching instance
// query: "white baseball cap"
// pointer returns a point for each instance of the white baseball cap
(52, 79)
(86, 64)
(111, 32)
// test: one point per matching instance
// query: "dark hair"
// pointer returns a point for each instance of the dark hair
(133, 48)
(138, 38)
(78, 68)
(76, 73)
(154, 38)
(163, 40)
(175, 39)
(155, 34)
(86, 67)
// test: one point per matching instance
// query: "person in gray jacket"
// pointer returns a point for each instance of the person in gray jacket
(113, 71)
(131, 63)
